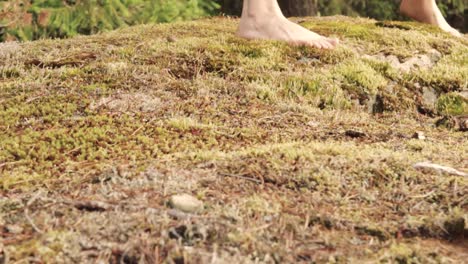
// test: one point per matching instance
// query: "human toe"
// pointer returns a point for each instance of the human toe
(333, 41)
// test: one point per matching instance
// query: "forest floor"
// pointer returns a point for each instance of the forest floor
(296, 154)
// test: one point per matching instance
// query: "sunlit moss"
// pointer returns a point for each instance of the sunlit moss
(452, 104)
(281, 131)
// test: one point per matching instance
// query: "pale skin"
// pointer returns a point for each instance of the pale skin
(427, 11)
(263, 19)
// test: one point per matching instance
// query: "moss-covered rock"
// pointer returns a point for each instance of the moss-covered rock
(452, 104)
(258, 130)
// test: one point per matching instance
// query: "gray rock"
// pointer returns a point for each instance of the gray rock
(464, 94)
(434, 55)
(186, 203)
(420, 61)
(429, 96)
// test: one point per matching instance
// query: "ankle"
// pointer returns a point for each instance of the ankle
(261, 20)
(408, 6)
(262, 17)
(402, 7)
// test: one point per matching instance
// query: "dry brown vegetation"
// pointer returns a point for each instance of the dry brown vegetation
(298, 154)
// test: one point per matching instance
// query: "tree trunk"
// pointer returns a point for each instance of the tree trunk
(231, 7)
(298, 7)
(289, 7)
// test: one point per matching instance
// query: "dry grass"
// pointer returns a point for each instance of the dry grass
(299, 155)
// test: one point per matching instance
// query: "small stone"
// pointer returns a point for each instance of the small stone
(186, 203)
(268, 218)
(313, 124)
(14, 229)
(171, 39)
(464, 94)
(419, 135)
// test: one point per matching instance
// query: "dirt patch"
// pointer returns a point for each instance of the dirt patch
(136, 102)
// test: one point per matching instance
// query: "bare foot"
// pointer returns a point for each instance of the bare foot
(427, 11)
(280, 28)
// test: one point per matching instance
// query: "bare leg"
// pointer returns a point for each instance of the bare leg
(426, 11)
(263, 19)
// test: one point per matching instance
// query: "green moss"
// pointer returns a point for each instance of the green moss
(259, 130)
(300, 86)
(93, 88)
(361, 78)
(403, 253)
(452, 104)
(259, 205)
(384, 68)
(450, 73)
(9, 72)
(361, 30)
(209, 59)
(318, 91)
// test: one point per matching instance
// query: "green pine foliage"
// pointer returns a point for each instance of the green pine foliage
(170, 10)
(34, 19)
(65, 18)
(83, 17)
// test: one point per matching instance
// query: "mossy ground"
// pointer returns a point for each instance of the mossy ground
(298, 154)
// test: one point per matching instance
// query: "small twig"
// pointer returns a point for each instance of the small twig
(439, 168)
(241, 177)
(214, 256)
(423, 196)
(156, 255)
(73, 150)
(8, 163)
(34, 198)
(141, 127)
(37, 229)
(26, 212)
(16, 240)
(256, 229)
(137, 130)
(30, 100)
